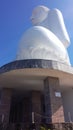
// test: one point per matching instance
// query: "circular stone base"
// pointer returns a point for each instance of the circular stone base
(30, 74)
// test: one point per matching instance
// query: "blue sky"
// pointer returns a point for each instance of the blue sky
(15, 20)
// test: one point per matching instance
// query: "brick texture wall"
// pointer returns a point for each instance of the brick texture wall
(53, 102)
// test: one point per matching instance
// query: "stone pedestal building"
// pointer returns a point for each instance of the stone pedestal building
(37, 88)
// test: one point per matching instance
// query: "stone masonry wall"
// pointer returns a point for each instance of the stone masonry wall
(53, 101)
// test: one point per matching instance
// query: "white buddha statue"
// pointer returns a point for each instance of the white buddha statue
(47, 39)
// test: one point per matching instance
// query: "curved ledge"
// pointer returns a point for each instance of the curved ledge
(36, 63)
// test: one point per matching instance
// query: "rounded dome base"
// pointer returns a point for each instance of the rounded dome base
(40, 43)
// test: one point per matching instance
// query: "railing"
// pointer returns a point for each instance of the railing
(38, 123)
(23, 126)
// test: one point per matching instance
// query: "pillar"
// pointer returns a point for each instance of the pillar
(36, 106)
(5, 105)
(53, 101)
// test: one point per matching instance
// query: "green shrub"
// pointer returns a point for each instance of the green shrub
(42, 128)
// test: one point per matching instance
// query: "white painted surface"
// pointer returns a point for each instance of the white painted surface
(48, 39)
(52, 20)
(68, 104)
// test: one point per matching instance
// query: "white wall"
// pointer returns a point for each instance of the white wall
(68, 104)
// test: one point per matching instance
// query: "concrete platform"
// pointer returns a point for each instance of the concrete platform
(29, 74)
